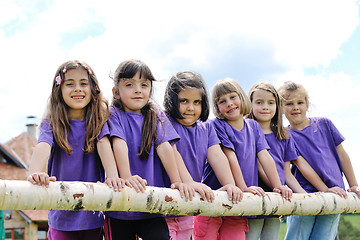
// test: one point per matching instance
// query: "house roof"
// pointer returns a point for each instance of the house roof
(17, 153)
(34, 215)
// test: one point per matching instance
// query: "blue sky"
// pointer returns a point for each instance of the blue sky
(315, 43)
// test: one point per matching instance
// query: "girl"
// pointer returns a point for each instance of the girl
(266, 111)
(187, 105)
(68, 147)
(319, 142)
(242, 140)
(141, 134)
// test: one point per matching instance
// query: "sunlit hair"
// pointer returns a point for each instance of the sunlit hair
(127, 70)
(226, 86)
(276, 123)
(289, 87)
(96, 112)
(179, 82)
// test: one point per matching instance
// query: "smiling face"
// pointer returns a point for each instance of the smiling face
(229, 106)
(134, 93)
(76, 92)
(189, 106)
(263, 106)
(295, 108)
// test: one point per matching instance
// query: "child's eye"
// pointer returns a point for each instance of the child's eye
(84, 83)
(271, 102)
(221, 102)
(69, 84)
(182, 101)
(258, 102)
(197, 102)
(288, 104)
(128, 84)
(145, 85)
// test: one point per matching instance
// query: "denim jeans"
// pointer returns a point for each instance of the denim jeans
(318, 227)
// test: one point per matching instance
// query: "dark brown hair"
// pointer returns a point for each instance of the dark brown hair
(96, 112)
(126, 70)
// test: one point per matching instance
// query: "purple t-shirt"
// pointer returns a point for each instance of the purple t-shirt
(193, 145)
(127, 126)
(317, 144)
(246, 143)
(78, 166)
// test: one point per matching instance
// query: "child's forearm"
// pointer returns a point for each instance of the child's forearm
(107, 157)
(121, 157)
(220, 165)
(183, 171)
(39, 158)
(268, 164)
(262, 175)
(309, 173)
(167, 158)
(291, 181)
(347, 167)
(235, 168)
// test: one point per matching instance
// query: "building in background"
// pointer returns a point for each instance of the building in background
(15, 157)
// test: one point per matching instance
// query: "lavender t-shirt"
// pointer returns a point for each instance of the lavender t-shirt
(193, 145)
(317, 144)
(78, 166)
(246, 143)
(281, 151)
(127, 126)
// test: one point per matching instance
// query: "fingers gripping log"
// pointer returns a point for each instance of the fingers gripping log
(22, 195)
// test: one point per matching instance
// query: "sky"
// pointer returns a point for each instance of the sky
(315, 43)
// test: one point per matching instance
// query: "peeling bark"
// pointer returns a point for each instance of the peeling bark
(22, 195)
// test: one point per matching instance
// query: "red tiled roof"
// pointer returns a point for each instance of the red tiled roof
(36, 215)
(21, 147)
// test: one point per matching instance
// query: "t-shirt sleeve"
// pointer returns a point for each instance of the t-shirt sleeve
(221, 132)
(261, 142)
(290, 151)
(115, 126)
(213, 138)
(165, 131)
(46, 134)
(337, 136)
(104, 130)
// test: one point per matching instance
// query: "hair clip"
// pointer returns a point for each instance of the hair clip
(64, 69)
(58, 80)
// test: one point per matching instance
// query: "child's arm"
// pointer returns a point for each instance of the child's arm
(202, 189)
(38, 164)
(348, 170)
(268, 164)
(122, 162)
(290, 180)
(262, 174)
(167, 157)
(309, 173)
(220, 165)
(237, 173)
(108, 161)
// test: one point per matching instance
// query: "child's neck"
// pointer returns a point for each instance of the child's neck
(301, 125)
(77, 115)
(266, 127)
(237, 124)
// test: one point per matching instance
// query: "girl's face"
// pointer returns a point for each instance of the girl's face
(263, 105)
(189, 106)
(229, 106)
(295, 109)
(134, 93)
(76, 92)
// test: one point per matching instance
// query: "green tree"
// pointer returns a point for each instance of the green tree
(347, 231)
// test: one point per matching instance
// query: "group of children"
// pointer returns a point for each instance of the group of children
(136, 143)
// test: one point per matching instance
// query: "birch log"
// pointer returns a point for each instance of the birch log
(22, 195)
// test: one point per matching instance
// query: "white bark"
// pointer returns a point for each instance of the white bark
(22, 195)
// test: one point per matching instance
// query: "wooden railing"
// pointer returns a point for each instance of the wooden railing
(22, 195)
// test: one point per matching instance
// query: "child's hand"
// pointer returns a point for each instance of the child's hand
(185, 190)
(115, 183)
(235, 194)
(355, 189)
(255, 190)
(337, 190)
(136, 182)
(285, 192)
(41, 178)
(204, 191)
